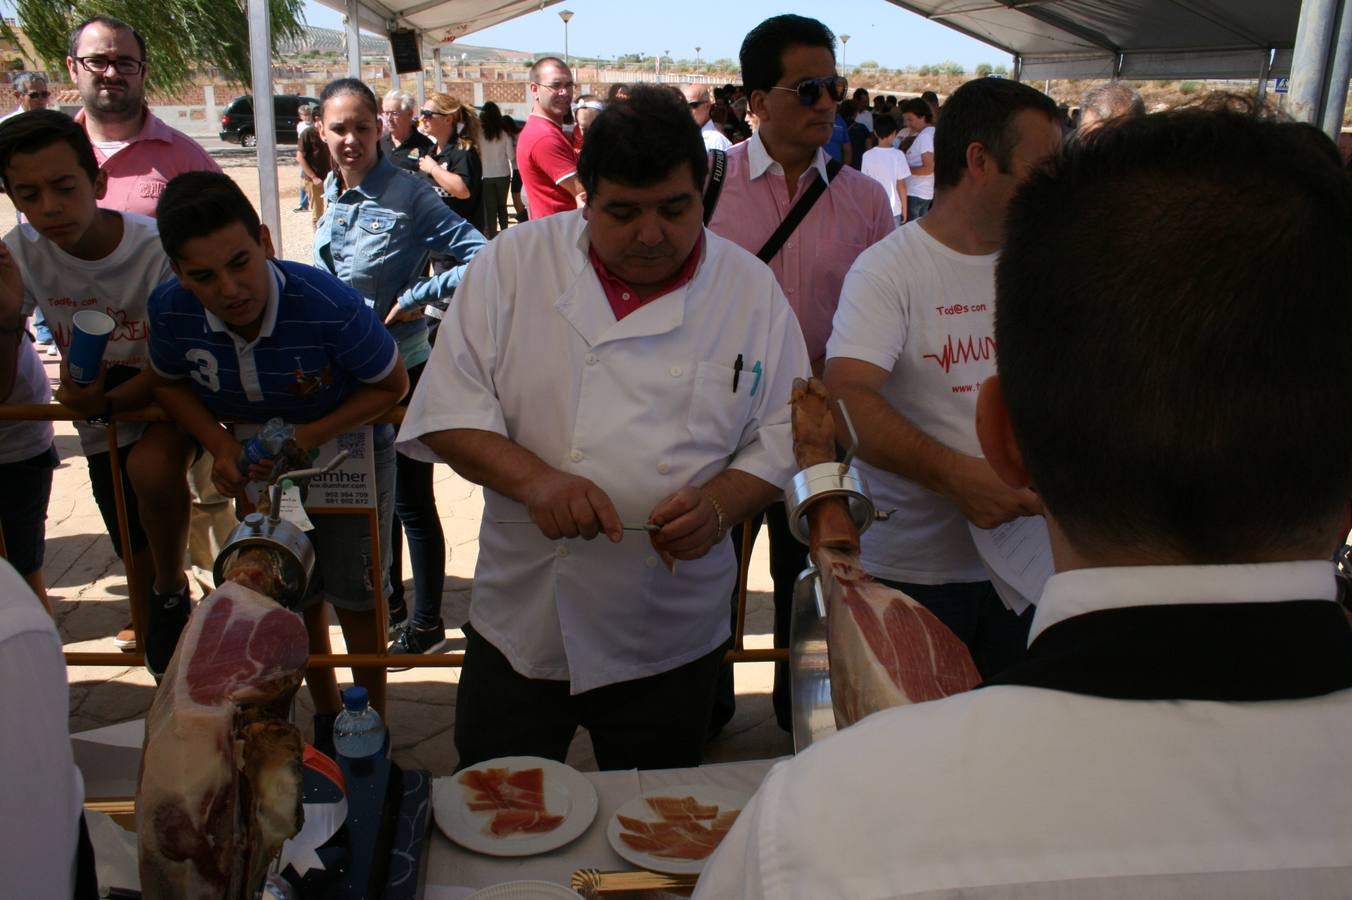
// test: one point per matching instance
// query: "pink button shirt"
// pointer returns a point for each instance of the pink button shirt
(851, 216)
(139, 171)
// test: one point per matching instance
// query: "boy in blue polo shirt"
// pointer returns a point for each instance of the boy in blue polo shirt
(241, 335)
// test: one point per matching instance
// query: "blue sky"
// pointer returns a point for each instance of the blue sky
(878, 30)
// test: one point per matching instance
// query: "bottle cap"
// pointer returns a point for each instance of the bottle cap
(355, 699)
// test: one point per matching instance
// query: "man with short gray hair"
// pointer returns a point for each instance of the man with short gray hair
(402, 143)
(701, 105)
(30, 88)
(1105, 102)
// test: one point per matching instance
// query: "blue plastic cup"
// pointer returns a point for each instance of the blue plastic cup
(88, 340)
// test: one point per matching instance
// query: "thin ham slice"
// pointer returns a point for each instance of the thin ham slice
(217, 792)
(516, 798)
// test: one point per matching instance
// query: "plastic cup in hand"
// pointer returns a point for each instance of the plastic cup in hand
(88, 339)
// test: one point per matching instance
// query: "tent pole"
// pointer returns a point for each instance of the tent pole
(1264, 72)
(1018, 67)
(436, 69)
(394, 71)
(353, 41)
(1309, 62)
(265, 124)
(1340, 68)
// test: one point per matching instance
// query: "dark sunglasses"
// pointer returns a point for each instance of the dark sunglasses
(696, 104)
(429, 113)
(809, 90)
(33, 95)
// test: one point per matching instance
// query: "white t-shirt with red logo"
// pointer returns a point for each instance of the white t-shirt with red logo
(926, 314)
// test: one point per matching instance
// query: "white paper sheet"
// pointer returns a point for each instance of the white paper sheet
(1018, 556)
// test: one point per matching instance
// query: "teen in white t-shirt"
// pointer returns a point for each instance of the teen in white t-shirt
(887, 165)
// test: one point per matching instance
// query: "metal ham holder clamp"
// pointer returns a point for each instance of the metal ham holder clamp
(809, 669)
(288, 547)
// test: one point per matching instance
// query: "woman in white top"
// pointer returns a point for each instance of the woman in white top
(495, 150)
(27, 456)
(918, 118)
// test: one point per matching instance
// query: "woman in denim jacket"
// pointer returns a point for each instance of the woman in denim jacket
(377, 234)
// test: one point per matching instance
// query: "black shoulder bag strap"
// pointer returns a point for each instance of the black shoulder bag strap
(799, 211)
(718, 167)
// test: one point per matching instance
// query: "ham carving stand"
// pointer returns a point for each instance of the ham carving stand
(810, 673)
(287, 553)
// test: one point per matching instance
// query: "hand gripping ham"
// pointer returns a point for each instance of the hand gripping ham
(885, 649)
(220, 781)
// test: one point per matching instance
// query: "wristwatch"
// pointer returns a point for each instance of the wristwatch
(103, 418)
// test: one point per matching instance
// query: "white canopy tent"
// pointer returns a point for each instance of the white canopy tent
(1138, 39)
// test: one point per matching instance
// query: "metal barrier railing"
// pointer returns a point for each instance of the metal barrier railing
(55, 412)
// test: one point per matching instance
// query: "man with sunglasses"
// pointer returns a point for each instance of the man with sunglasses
(30, 89)
(544, 155)
(789, 70)
(138, 152)
(701, 107)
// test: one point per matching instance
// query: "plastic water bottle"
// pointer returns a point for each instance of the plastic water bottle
(358, 732)
(266, 444)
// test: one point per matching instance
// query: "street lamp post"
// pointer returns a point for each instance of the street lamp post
(697, 56)
(844, 39)
(566, 15)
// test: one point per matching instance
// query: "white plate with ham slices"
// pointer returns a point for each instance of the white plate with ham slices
(514, 806)
(674, 830)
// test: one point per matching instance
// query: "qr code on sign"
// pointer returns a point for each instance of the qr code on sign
(353, 442)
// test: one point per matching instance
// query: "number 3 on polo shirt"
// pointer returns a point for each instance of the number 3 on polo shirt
(207, 368)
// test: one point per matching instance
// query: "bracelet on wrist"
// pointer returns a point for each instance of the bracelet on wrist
(722, 517)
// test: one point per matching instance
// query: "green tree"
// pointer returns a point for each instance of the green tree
(180, 35)
(983, 69)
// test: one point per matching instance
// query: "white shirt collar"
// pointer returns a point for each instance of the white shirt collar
(275, 283)
(708, 126)
(758, 158)
(1080, 591)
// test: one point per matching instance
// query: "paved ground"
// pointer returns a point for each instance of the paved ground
(90, 597)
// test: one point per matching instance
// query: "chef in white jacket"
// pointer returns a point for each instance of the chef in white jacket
(607, 368)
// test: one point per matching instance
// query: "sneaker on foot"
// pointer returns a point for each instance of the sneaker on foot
(168, 614)
(125, 639)
(397, 626)
(414, 640)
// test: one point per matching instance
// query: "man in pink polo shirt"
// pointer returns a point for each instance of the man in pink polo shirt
(789, 69)
(139, 153)
(544, 154)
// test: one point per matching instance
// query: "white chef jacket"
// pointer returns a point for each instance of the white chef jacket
(531, 350)
(1019, 792)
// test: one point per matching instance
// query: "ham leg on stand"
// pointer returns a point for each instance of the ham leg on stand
(220, 782)
(885, 649)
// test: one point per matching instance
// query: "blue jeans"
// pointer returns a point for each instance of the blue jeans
(996, 637)
(916, 207)
(415, 508)
(40, 329)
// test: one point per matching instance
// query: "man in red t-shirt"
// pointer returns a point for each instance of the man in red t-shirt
(544, 155)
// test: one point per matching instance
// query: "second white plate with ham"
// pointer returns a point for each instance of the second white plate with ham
(674, 830)
(514, 806)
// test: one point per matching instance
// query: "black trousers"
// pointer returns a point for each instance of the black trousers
(657, 722)
(788, 557)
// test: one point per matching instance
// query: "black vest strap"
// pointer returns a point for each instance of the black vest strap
(1227, 652)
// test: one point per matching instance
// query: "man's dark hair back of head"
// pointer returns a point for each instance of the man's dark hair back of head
(33, 131)
(762, 54)
(642, 140)
(884, 125)
(982, 111)
(1180, 388)
(197, 204)
(107, 22)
